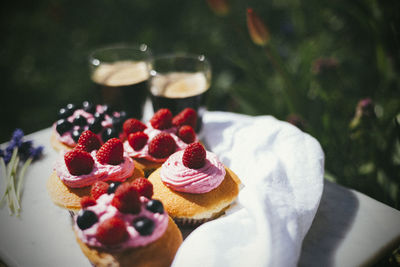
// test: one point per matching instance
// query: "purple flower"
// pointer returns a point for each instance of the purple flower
(36, 153)
(17, 136)
(24, 150)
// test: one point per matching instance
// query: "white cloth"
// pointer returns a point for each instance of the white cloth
(282, 170)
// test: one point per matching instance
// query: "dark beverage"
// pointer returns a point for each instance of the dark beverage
(123, 85)
(179, 90)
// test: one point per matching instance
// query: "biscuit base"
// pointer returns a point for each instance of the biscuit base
(57, 145)
(147, 166)
(69, 198)
(160, 253)
(191, 209)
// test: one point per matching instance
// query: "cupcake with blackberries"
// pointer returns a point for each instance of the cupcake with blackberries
(151, 144)
(77, 169)
(194, 185)
(73, 120)
(122, 225)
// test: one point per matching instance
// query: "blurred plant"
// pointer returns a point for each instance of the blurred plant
(219, 7)
(14, 161)
(317, 64)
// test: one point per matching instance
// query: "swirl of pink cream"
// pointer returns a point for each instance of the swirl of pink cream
(100, 172)
(197, 181)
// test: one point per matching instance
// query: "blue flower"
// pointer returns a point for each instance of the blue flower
(24, 150)
(17, 136)
(36, 153)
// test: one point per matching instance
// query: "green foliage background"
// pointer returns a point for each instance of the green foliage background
(45, 45)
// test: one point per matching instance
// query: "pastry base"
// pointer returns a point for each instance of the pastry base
(160, 253)
(57, 145)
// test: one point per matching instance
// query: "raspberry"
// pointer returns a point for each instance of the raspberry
(112, 152)
(98, 188)
(126, 199)
(162, 119)
(133, 126)
(78, 162)
(187, 134)
(162, 145)
(188, 116)
(194, 156)
(89, 141)
(87, 201)
(112, 231)
(138, 140)
(143, 186)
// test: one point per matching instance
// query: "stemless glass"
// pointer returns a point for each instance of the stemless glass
(121, 72)
(180, 81)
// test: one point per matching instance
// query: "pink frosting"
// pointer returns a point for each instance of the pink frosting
(152, 132)
(100, 172)
(197, 181)
(104, 210)
(66, 138)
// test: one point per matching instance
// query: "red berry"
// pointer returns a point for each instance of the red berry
(78, 162)
(187, 134)
(133, 126)
(162, 119)
(112, 231)
(126, 199)
(138, 140)
(89, 141)
(188, 116)
(162, 145)
(194, 156)
(112, 152)
(87, 201)
(98, 188)
(143, 186)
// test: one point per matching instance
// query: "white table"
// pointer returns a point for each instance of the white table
(350, 228)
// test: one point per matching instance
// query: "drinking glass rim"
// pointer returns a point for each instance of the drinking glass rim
(142, 47)
(199, 57)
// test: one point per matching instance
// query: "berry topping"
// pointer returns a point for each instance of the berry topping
(162, 145)
(78, 162)
(89, 141)
(155, 206)
(188, 116)
(113, 186)
(187, 134)
(98, 188)
(85, 219)
(143, 225)
(194, 156)
(108, 134)
(64, 113)
(126, 199)
(99, 116)
(107, 110)
(133, 126)
(112, 231)
(76, 134)
(63, 126)
(137, 140)
(143, 186)
(71, 108)
(80, 120)
(89, 107)
(162, 119)
(87, 201)
(112, 152)
(95, 125)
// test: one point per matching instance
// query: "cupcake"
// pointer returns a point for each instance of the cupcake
(77, 169)
(126, 227)
(73, 120)
(151, 144)
(194, 185)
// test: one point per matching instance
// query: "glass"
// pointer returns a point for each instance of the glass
(180, 81)
(121, 72)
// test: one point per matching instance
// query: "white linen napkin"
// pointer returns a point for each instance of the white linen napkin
(282, 170)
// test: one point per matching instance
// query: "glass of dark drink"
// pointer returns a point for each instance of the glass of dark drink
(180, 81)
(121, 73)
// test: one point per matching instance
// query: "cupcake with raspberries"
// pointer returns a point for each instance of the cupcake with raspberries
(151, 144)
(77, 169)
(73, 120)
(194, 185)
(121, 225)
